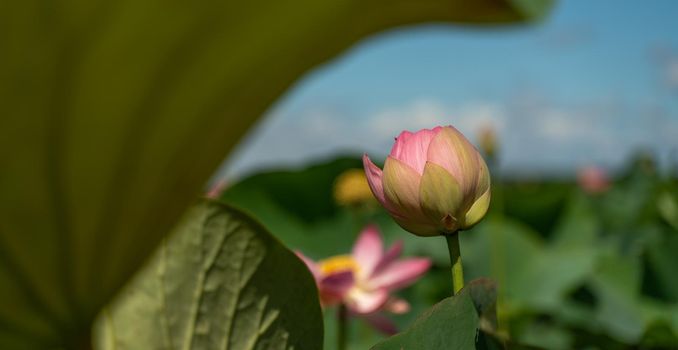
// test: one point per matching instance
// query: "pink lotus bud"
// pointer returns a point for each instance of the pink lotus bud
(593, 179)
(434, 182)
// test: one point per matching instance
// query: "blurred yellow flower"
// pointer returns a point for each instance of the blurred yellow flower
(351, 188)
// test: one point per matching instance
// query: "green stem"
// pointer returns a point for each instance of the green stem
(455, 259)
(342, 327)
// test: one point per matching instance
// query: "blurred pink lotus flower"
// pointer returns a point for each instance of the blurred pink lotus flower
(593, 179)
(434, 182)
(364, 280)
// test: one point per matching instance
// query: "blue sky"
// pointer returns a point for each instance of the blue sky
(593, 83)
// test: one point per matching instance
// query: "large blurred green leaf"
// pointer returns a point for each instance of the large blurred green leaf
(217, 282)
(114, 114)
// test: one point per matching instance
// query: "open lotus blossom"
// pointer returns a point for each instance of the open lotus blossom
(434, 182)
(364, 280)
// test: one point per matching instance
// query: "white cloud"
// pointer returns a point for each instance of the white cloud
(535, 134)
(671, 72)
(557, 125)
(284, 139)
(666, 59)
(416, 115)
(426, 113)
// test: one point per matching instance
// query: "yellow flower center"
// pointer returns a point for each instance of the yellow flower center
(339, 263)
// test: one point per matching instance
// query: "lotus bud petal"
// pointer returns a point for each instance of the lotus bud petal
(434, 182)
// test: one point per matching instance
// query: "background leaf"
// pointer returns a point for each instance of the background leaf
(450, 324)
(453, 323)
(219, 281)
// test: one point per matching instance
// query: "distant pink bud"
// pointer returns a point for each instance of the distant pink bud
(593, 179)
(434, 182)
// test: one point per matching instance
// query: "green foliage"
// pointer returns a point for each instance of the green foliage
(115, 113)
(536, 204)
(298, 205)
(663, 260)
(219, 281)
(573, 269)
(287, 189)
(603, 267)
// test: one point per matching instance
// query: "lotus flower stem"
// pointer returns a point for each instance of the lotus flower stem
(342, 326)
(455, 259)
